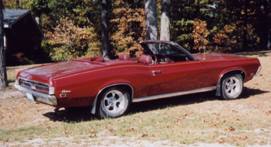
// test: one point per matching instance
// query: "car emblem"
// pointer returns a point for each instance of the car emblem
(64, 93)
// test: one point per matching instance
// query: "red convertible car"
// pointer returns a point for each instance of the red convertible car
(109, 87)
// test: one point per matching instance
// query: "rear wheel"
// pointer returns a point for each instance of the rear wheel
(232, 86)
(114, 102)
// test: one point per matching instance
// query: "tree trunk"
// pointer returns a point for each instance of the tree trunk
(269, 24)
(106, 7)
(165, 21)
(3, 72)
(244, 45)
(17, 3)
(151, 23)
(151, 19)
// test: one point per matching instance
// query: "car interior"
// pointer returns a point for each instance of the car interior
(158, 53)
(162, 53)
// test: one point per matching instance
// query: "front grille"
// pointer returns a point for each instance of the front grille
(35, 86)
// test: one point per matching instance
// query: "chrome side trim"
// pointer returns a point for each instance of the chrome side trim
(39, 97)
(149, 98)
(94, 105)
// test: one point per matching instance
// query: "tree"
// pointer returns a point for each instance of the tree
(3, 73)
(17, 3)
(106, 7)
(263, 22)
(165, 21)
(151, 22)
(128, 25)
(151, 19)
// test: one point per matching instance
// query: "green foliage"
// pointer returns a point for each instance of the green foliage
(68, 41)
(233, 25)
(128, 25)
(82, 12)
(26, 4)
(215, 25)
(200, 34)
(71, 27)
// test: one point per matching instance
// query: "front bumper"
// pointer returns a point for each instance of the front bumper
(36, 96)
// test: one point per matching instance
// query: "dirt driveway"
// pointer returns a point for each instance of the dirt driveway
(195, 120)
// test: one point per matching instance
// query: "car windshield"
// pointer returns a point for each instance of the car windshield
(166, 49)
(165, 52)
(160, 48)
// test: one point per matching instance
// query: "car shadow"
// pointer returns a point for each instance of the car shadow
(187, 100)
(74, 115)
(83, 114)
(249, 92)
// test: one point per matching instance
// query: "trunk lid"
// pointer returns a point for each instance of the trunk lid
(45, 72)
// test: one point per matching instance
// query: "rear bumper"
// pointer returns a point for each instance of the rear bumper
(36, 96)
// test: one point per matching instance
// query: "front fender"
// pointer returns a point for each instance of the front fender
(223, 73)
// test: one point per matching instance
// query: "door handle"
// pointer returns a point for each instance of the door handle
(156, 72)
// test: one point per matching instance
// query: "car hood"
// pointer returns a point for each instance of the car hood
(216, 56)
(54, 70)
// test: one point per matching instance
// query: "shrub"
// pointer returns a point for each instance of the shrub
(128, 25)
(200, 35)
(13, 3)
(68, 41)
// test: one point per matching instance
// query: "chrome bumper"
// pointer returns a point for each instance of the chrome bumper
(36, 96)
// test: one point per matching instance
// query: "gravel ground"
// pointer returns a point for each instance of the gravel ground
(17, 112)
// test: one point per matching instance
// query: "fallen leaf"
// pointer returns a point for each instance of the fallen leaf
(230, 129)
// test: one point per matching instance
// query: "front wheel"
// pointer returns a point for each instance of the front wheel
(232, 86)
(114, 102)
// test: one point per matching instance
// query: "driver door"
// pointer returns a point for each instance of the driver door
(180, 76)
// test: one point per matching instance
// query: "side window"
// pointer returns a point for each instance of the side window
(165, 49)
(169, 53)
(153, 47)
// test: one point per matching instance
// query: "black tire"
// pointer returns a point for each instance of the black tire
(113, 102)
(232, 86)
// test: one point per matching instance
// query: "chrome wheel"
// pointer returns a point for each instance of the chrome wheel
(232, 86)
(114, 103)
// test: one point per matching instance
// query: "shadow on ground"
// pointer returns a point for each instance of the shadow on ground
(72, 115)
(83, 114)
(187, 100)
